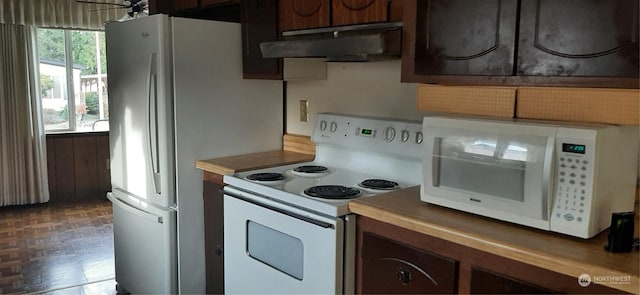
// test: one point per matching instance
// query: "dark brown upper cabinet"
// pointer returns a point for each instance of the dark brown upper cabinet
(580, 43)
(259, 25)
(180, 5)
(303, 14)
(348, 12)
(221, 10)
(578, 38)
(308, 14)
(204, 3)
(466, 37)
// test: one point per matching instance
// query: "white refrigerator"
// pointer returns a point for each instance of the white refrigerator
(176, 95)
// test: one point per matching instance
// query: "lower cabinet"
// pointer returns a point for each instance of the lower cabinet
(213, 232)
(395, 268)
(78, 166)
(395, 260)
(487, 282)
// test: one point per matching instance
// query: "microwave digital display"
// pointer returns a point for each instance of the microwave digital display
(573, 148)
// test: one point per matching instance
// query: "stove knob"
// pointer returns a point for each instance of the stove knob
(323, 125)
(333, 127)
(405, 135)
(419, 137)
(389, 134)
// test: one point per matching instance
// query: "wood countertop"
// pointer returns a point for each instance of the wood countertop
(233, 164)
(559, 253)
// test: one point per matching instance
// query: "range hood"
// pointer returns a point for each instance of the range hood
(346, 43)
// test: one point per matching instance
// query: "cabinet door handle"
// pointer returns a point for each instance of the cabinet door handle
(219, 250)
(403, 275)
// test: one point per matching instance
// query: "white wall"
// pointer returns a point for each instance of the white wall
(369, 88)
(362, 88)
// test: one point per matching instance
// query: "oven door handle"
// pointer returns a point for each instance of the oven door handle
(282, 211)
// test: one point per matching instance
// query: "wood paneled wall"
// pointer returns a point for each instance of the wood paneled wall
(78, 166)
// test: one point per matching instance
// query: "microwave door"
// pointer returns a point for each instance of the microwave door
(482, 166)
(494, 172)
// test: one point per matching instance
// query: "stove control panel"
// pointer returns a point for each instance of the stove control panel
(394, 136)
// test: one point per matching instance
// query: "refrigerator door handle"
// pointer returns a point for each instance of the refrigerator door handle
(152, 122)
(133, 210)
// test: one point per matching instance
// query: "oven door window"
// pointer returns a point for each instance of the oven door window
(282, 252)
(270, 248)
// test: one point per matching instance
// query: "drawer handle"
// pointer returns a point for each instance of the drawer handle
(403, 275)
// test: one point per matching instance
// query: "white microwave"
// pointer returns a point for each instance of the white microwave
(556, 176)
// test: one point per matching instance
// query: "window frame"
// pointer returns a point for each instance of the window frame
(69, 67)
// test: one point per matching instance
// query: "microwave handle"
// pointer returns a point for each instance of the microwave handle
(435, 164)
(547, 175)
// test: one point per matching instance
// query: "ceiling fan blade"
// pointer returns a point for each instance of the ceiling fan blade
(102, 3)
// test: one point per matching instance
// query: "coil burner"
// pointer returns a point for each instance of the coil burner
(311, 171)
(334, 192)
(269, 178)
(379, 184)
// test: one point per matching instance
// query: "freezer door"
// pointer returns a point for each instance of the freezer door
(144, 245)
(140, 108)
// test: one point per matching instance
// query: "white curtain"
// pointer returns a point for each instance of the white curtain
(68, 14)
(23, 167)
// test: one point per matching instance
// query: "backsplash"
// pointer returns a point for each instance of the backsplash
(368, 89)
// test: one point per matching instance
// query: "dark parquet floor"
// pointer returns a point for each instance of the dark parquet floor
(57, 248)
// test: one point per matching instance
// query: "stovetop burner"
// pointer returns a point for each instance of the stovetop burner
(310, 169)
(380, 184)
(265, 176)
(334, 192)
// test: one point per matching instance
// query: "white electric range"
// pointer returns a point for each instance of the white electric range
(288, 229)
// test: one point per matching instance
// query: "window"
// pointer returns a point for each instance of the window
(73, 80)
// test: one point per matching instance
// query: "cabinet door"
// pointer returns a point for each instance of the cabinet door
(389, 267)
(214, 236)
(579, 38)
(487, 282)
(303, 14)
(159, 6)
(259, 24)
(465, 37)
(204, 3)
(178, 5)
(347, 12)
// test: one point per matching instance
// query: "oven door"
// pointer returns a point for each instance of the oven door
(271, 248)
(497, 169)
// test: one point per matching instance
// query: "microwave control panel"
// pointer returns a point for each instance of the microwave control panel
(573, 182)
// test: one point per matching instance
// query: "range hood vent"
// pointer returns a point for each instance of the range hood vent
(347, 43)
